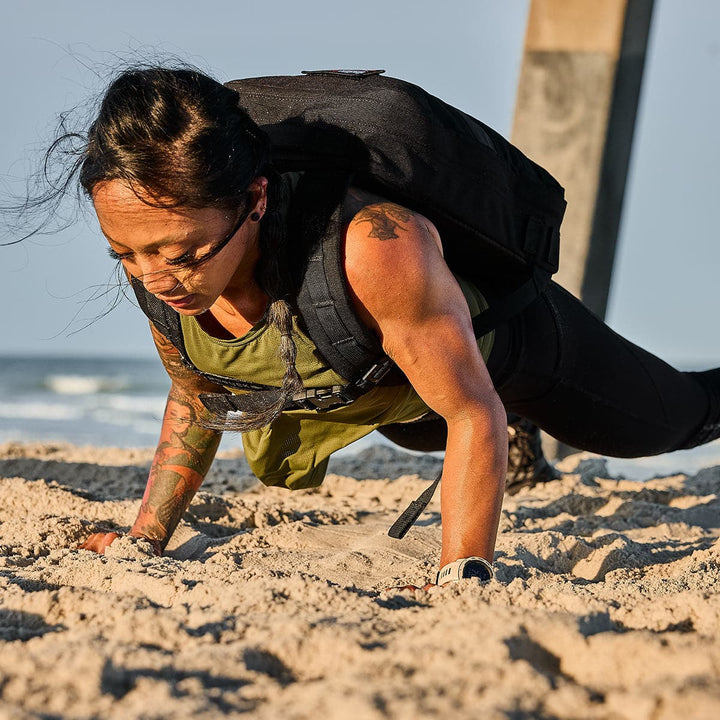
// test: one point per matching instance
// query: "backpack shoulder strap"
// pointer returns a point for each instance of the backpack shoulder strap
(326, 309)
(167, 321)
(323, 300)
(163, 317)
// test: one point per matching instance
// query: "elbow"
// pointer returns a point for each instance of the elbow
(489, 424)
(481, 424)
(486, 414)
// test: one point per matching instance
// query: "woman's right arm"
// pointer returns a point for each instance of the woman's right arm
(183, 457)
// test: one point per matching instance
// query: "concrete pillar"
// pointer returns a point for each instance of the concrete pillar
(575, 115)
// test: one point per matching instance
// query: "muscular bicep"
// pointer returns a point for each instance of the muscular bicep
(404, 290)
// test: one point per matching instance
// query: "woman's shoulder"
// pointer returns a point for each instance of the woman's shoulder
(366, 213)
(392, 257)
(384, 232)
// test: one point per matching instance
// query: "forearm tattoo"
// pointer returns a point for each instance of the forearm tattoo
(183, 456)
(385, 219)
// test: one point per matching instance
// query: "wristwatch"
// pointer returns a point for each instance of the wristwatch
(471, 567)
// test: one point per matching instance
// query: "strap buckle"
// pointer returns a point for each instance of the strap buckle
(327, 398)
(374, 374)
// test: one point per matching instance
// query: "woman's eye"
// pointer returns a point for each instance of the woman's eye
(118, 256)
(186, 257)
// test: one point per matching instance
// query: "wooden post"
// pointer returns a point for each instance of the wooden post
(575, 115)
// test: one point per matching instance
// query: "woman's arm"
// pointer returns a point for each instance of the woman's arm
(403, 289)
(183, 457)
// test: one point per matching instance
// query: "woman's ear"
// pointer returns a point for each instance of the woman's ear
(258, 190)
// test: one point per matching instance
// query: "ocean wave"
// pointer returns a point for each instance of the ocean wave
(39, 411)
(149, 404)
(85, 384)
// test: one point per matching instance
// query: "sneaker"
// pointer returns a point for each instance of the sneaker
(527, 466)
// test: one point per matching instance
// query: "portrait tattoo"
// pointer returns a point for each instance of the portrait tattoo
(385, 219)
(184, 453)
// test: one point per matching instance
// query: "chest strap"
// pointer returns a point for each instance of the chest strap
(326, 398)
(255, 396)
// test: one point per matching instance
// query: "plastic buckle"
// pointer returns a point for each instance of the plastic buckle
(324, 398)
(375, 374)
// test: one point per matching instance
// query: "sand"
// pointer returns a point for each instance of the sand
(271, 604)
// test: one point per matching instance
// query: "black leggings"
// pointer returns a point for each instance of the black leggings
(558, 365)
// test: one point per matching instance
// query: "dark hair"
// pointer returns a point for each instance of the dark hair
(179, 138)
(175, 134)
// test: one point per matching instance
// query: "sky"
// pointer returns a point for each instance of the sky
(54, 57)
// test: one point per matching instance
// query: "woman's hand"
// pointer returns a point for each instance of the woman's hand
(183, 457)
(97, 542)
(412, 588)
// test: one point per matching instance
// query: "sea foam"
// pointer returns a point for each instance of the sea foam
(85, 384)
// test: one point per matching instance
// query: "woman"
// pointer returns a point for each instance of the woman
(179, 179)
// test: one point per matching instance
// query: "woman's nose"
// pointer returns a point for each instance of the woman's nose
(157, 281)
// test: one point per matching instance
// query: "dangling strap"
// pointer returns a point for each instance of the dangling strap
(413, 511)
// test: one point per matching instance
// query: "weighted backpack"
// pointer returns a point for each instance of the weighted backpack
(497, 212)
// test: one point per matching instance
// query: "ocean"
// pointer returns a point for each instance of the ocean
(85, 401)
(120, 403)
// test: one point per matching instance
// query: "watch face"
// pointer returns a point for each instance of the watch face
(475, 569)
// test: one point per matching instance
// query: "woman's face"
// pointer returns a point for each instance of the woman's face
(160, 245)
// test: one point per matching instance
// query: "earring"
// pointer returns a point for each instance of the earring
(257, 215)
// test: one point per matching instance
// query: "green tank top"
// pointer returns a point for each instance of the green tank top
(294, 451)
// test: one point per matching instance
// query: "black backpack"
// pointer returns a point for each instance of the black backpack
(497, 212)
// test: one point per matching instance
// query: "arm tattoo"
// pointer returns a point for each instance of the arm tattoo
(184, 453)
(170, 357)
(182, 459)
(385, 219)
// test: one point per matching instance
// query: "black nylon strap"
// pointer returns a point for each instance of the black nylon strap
(223, 403)
(413, 511)
(347, 344)
(509, 305)
(324, 398)
(314, 399)
(167, 321)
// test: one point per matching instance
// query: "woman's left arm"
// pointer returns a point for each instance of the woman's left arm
(402, 288)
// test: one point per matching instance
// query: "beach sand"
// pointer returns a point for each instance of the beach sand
(271, 604)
